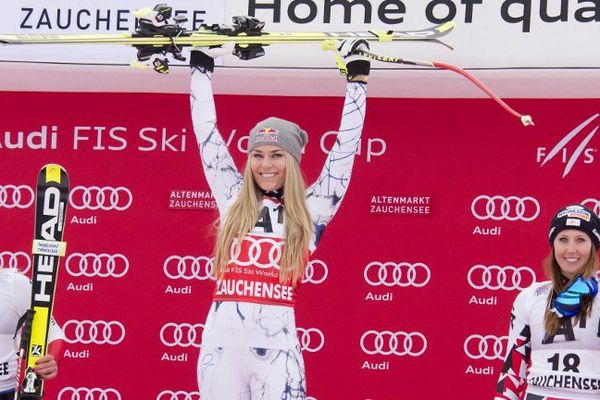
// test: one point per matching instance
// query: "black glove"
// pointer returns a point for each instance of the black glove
(356, 64)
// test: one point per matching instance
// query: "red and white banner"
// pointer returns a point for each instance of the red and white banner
(409, 293)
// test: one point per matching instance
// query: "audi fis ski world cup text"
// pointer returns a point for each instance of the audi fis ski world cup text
(97, 138)
(146, 139)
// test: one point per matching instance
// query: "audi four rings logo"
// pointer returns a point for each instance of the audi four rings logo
(510, 208)
(189, 267)
(18, 260)
(494, 277)
(592, 204)
(83, 393)
(102, 265)
(311, 339)
(401, 274)
(13, 196)
(178, 395)
(263, 252)
(101, 198)
(489, 347)
(183, 335)
(94, 332)
(316, 272)
(397, 343)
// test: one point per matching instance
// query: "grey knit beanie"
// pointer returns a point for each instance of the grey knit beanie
(279, 132)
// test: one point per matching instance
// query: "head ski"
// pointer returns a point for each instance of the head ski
(52, 197)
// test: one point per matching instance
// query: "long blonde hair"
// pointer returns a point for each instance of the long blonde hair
(243, 214)
(552, 321)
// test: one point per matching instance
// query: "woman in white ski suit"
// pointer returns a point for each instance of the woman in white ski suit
(554, 342)
(250, 348)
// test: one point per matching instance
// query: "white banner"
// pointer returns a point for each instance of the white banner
(488, 33)
(548, 40)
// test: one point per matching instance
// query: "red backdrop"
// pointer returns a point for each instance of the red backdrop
(446, 218)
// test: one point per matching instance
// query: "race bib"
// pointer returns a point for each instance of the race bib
(577, 371)
(253, 273)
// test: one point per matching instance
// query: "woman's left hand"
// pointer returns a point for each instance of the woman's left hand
(46, 367)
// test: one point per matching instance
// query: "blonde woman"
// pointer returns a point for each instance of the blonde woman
(554, 341)
(269, 224)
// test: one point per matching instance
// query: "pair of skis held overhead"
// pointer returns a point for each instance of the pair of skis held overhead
(156, 39)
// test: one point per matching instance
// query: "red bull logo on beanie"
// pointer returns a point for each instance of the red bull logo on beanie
(267, 134)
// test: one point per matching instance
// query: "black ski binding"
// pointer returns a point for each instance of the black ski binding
(249, 26)
(148, 28)
(248, 52)
(241, 24)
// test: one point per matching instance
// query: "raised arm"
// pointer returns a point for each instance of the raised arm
(325, 195)
(221, 173)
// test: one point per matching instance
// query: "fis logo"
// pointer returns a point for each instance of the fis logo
(582, 151)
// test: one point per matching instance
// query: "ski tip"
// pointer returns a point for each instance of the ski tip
(142, 12)
(526, 120)
(446, 27)
(139, 65)
(439, 41)
(53, 172)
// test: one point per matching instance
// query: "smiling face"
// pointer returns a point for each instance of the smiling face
(572, 249)
(267, 163)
